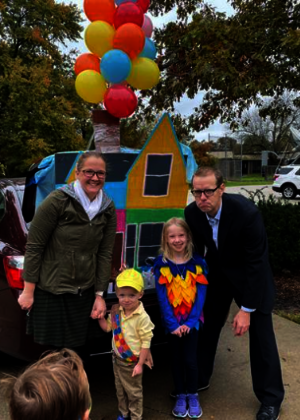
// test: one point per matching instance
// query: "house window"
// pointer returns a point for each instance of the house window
(130, 245)
(117, 255)
(149, 242)
(157, 177)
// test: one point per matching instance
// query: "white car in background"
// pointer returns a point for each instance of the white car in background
(287, 181)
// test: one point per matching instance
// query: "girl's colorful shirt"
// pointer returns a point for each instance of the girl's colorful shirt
(181, 291)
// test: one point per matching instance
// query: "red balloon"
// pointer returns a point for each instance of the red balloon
(129, 38)
(120, 101)
(128, 13)
(87, 61)
(99, 10)
(144, 5)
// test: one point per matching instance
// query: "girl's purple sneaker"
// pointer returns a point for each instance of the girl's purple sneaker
(180, 407)
(194, 410)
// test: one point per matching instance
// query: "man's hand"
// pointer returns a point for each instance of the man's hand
(241, 323)
(99, 308)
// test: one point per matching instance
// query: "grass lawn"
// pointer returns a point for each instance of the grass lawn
(290, 316)
(249, 180)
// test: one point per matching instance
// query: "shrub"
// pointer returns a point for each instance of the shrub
(282, 222)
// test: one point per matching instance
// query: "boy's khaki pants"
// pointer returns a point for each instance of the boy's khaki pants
(129, 389)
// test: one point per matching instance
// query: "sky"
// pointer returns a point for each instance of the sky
(185, 106)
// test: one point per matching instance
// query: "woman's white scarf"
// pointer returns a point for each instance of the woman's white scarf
(91, 207)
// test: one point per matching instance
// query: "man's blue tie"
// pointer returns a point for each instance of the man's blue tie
(212, 222)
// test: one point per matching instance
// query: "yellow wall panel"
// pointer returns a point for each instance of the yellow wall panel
(162, 141)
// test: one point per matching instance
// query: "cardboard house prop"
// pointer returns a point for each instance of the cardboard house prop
(148, 187)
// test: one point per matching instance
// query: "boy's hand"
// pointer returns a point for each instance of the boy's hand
(138, 370)
(99, 308)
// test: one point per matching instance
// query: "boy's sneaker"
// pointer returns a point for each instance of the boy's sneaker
(195, 410)
(180, 407)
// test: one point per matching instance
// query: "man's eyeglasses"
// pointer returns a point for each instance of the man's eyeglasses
(89, 173)
(207, 193)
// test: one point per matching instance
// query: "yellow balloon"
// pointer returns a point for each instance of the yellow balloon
(90, 86)
(144, 73)
(99, 37)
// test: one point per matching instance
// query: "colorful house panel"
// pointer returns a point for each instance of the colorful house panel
(158, 177)
(143, 233)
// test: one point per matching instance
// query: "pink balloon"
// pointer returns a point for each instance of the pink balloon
(128, 13)
(147, 26)
(120, 101)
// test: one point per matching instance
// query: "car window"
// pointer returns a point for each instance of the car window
(284, 171)
(298, 172)
(2, 205)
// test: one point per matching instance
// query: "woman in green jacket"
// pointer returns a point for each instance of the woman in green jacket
(68, 258)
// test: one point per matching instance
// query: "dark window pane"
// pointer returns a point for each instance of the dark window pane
(298, 172)
(131, 234)
(159, 164)
(130, 257)
(156, 185)
(145, 252)
(150, 234)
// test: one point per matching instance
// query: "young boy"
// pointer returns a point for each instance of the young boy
(132, 333)
(56, 387)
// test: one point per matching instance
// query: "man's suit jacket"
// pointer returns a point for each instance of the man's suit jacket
(241, 260)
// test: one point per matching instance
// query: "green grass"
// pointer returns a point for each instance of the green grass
(248, 182)
(289, 316)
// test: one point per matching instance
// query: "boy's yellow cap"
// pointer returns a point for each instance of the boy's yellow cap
(130, 278)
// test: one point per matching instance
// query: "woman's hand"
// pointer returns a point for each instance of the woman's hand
(99, 308)
(26, 298)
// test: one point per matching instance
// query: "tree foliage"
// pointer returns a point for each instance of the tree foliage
(235, 59)
(40, 112)
(268, 127)
(201, 152)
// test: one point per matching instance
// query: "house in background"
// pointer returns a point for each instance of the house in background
(148, 187)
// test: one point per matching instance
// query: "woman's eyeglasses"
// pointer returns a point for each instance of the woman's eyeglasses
(207, 193)
(89, 173)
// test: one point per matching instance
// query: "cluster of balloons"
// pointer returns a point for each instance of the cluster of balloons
(121, 53)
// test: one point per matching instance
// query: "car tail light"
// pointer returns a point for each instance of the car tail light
(13, 266)
(275, 177)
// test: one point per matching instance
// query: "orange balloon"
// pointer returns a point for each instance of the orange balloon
(87, 61)
(129, 38)
(99, 10)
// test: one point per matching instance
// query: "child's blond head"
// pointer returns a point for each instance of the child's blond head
(165, 248)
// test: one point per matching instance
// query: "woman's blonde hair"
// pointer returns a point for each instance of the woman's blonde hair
(54, 388)
(165, 249)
